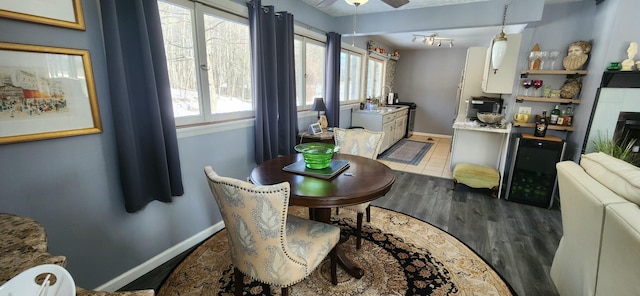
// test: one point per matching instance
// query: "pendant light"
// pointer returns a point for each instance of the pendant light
(355, 3)
(499, 48)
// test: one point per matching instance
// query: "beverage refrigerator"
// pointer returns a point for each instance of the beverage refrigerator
(532, 178)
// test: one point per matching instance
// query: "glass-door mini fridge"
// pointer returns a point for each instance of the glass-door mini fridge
(532, 178)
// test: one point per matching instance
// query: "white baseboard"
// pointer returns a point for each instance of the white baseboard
(140, 270)
(432, 135)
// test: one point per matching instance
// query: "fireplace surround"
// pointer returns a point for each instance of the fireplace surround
(616, 109)
(627, 129)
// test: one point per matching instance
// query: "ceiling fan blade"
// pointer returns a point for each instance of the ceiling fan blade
(396, 3)
(325, 3)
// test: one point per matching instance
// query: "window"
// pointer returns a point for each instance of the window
(350, 76)
(374, 78)
(309, 60)
(209, 61)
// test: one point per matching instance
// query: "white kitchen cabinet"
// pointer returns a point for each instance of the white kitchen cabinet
(501, 82)
(385, 119)
(471, 81)
(387, 141)
(400, 127)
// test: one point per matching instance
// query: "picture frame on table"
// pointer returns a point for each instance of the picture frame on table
(315, 129)
(61, 13)
(45, 93)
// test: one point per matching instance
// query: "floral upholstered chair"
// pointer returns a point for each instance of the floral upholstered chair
(267, 244)
(363, 143)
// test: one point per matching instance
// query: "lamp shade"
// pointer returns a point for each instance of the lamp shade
(318, 105)
(358, 2)
(498, 51)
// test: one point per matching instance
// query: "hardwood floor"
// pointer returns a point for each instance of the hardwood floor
(518, 240)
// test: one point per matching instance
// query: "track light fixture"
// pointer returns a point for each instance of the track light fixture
(432, 38)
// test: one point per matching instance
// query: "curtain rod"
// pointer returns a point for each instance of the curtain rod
(295, 21)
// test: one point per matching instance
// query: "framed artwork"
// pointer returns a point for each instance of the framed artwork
(45, 93)
(62, 13)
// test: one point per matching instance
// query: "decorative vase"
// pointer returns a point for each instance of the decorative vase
(323, 122)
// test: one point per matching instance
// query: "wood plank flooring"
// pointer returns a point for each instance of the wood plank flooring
(518, 240)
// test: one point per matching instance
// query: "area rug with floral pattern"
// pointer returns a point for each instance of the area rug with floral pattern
(400, 255)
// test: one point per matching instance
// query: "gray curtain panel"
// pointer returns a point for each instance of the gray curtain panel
(273, 81)
(145, 130)
(332, 79)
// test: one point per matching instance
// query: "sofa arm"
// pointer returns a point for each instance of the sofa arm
(619, 267)
(583, 202)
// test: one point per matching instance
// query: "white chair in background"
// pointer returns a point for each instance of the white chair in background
(365, 143)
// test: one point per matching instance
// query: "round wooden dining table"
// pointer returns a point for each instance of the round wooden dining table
(364, 180)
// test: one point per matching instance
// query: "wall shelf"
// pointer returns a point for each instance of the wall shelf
(554, 72)
(383, 55)
(549, 127)
(547, 100)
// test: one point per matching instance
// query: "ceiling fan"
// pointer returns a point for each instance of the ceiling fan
(392, 3)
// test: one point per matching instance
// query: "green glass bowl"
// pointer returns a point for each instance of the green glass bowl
(317, 155)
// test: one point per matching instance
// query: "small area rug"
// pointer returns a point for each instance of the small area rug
(400, 255)
(406, 151)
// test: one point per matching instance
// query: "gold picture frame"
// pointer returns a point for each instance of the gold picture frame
(45, 93)
(61, 13)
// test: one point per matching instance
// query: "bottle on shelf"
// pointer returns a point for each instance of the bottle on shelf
(561, 118)
(568, 120)
(541, 125)
(555, 113)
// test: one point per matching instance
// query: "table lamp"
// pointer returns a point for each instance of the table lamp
(318, 105)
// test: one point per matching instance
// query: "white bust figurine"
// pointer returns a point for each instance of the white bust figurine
(627, 65)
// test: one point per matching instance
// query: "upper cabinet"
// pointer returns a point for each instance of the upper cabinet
(501, 82)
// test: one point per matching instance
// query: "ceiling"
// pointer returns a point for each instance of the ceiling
(462, 38)
(342, 8)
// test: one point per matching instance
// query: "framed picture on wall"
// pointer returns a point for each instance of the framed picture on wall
(62, 13)
(45, 93)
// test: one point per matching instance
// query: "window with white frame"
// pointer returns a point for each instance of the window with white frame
(350, 76)
(209, 62)
(374, 78)
(310, 61)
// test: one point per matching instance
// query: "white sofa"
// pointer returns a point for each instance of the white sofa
(599, 253)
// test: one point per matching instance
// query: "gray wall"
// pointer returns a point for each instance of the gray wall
(71, 185)
(430, 78)
(561, 24)
(616, 26)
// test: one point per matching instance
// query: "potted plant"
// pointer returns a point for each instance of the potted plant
(621, 149)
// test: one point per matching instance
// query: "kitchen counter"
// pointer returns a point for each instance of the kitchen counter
(392, 120)
(382, 110)
(484, 145)
(477, 126)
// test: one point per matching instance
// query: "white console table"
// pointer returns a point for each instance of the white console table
(481, 145)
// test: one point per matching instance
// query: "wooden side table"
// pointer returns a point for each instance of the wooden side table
(324, 137)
